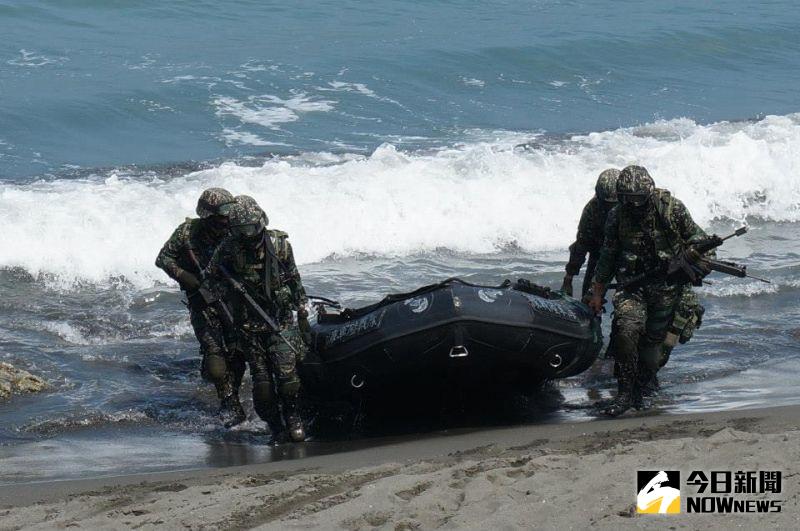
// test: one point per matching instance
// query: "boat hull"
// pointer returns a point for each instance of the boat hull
(452, 333)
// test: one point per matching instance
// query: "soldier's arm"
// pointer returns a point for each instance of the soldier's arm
(606, 263)
(689, 230)
(293, 278)
(583, 241)
(167, 258)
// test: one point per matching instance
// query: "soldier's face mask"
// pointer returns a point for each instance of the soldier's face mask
(634, 200)
(225, 209)
(251, 231)
(217, 223)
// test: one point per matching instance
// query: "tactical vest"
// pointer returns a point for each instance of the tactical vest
(664, 203)
(199, 241)
(280, 241)
(253, 266)
(646, 243)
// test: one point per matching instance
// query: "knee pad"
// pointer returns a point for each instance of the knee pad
(216, 368)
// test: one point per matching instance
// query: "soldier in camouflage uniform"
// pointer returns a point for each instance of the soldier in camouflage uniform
(590, 231)
(263, 262)
(646, 229)
(183, 258)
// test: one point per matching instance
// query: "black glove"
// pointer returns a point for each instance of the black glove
(695, 257)
(689, 266)
(188, 281)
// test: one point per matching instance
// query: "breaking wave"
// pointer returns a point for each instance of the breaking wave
(85, 421)
(474, 197)
(733, 287)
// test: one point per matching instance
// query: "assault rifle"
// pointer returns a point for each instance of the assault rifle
(691, 266)
(209, 298)
(255, 306)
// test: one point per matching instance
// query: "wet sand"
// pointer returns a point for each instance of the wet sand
(573, 475)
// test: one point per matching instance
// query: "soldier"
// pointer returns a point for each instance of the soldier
(590, 231)
(183, 258)
(261, 263)
(647, 228)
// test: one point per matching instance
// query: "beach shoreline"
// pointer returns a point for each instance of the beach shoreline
(570, 475)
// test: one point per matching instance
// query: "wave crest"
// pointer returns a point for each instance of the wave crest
(474, 197)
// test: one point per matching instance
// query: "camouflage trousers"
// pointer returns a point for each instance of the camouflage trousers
(214, 339)
(273, 368)
(639, 327)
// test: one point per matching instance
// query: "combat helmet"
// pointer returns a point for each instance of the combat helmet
(634, 186)
(214, 202)
(247, 220)
(606, 187)
(249, 202)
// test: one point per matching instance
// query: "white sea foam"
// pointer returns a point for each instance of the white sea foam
(734, 287)
(270, 111)
(28, 58)
(350, 87)
(472, 82)
(358, 88)
(738, 288)
(79, 335)
(470, 198)
(233, 136)
(67, 332)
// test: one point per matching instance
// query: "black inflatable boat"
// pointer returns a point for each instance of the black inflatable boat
(514, 335)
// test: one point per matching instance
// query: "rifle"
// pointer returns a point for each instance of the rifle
(677, 271)
(208, 297)
(255, 306)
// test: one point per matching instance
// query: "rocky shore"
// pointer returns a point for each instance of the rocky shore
(14, 380)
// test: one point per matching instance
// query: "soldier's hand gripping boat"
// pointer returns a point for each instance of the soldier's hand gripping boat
(514, 335)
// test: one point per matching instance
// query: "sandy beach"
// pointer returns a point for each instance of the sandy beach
(568, 476)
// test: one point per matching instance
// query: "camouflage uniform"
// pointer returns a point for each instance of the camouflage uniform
(183, 257)
(588, 241)
(269, 274)
(590, 231)
(636, 242)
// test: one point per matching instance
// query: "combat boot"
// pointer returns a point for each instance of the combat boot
(627, 395)
(294, 423)
(231, 411)
(277, 431)
(648, 382)
(622, 403)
